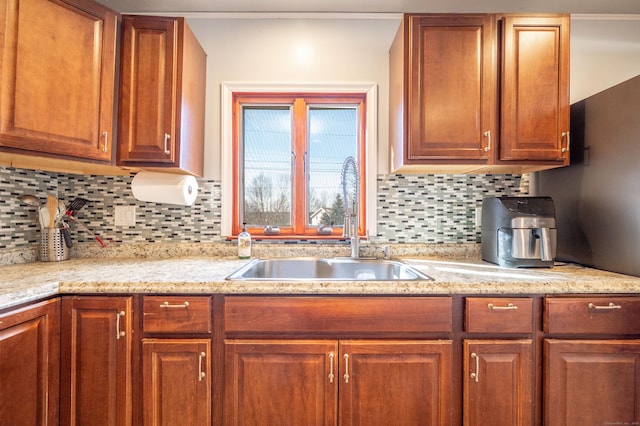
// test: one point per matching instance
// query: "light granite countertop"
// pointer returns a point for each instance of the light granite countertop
(21, 283)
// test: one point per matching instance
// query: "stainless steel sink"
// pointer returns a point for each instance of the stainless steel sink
(326, 269)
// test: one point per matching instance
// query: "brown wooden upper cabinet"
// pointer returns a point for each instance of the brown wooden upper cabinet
(57, 73)
(479, 93)
(162, 96)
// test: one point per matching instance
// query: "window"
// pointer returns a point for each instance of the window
(288, 153)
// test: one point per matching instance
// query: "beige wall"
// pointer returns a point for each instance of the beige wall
(292, 51)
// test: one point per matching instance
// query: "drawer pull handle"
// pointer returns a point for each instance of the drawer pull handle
(119, 333)
(509, 307)
(476, 374)
(609, 306)
(167, 137)
(331, 375)
(167, 305)
(346, 368)
(201, 373)
(105, 147)
(487, 134)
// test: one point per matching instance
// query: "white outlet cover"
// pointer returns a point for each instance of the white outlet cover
(125, 215)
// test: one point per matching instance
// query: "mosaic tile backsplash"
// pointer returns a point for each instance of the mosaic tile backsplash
(411, 208)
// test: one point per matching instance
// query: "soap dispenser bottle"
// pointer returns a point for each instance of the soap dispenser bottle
(244, 243)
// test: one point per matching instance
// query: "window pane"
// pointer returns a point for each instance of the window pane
(333, 136)
(267, 180)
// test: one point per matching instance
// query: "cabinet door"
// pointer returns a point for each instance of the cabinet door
(148, 89)
(451, 99)
(162, 95)
(30, 365)
(280, 382)
(535, 89)
(96, 361)
(176, 381)
(498, 382)
(395, 383)
(57, 76)
(591, 382)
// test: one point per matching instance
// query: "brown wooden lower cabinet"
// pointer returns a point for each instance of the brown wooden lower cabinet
(330, 382)
(96, 362)
(30, 365)
(498, 382)
(73, 361)
(176, 381)
(591, 382)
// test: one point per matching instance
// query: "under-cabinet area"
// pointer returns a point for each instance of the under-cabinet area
(323, 360)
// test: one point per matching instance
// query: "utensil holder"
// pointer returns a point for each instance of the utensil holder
(52, 246)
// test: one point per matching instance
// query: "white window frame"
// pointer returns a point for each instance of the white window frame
(371, 139)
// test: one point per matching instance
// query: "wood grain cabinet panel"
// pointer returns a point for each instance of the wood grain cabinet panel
(616, 315)
(498, 383)
(535, 89)
(330, 382)
(395, 382)
(476, 93)
(270, 382)
(30, 365)
(162, 95)
(499, 315)
(443, 92)
(591, 382)
(176, 377)
(176, 314)
(344, 314)
(57, 75)
(96, 360)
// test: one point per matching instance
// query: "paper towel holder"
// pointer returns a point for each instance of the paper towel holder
(167, 188)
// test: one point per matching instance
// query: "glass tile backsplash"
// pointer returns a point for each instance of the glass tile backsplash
(411, 208)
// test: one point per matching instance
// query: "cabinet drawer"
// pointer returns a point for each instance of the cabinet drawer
(330, 315)
(176, 314)
(499, 315)
(592, 315)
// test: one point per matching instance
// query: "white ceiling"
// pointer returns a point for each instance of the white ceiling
(376, 6)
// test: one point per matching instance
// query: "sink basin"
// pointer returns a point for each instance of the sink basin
(326, 269)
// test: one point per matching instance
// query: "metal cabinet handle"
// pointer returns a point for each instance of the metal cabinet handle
(105, 135)
(567, 136)
(509, 307)
(167, 137)
(331, 375)
(609, 306)
(476, 374)
(119, 333)
(346, 368)
(167, 305)
(201, 373)
(488, 136)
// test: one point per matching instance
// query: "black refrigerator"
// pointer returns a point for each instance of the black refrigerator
(597, 198)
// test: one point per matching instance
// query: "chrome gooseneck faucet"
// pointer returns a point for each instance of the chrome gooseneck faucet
(351, 196)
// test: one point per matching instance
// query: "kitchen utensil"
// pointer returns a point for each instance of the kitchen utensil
(66, 235)
(30, 200)
(76, 205)
(43, 215)
(84, 227)
(52, 208)
(62, 213)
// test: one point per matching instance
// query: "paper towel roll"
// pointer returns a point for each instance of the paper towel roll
(165, 188)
